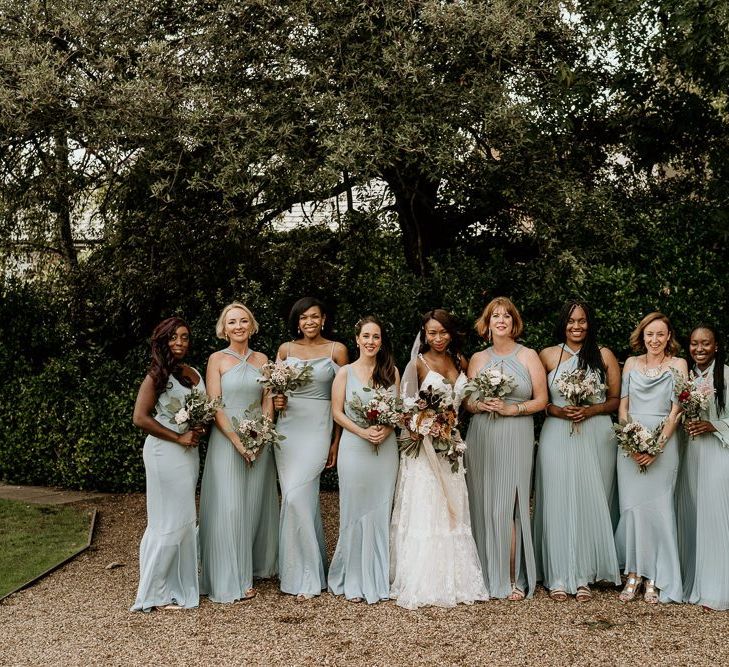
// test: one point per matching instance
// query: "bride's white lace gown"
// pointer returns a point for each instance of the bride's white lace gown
(433, 561)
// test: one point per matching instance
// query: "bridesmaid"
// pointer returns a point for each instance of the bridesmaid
(703, 493)
(238, 501)
(646, 534)
(500, 453)
(168, 552)
(310, 446)
(360, 569)
(575, 471)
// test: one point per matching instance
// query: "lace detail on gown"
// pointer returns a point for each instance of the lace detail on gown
(430, 562)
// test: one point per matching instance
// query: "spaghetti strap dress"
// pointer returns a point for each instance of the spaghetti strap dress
(360, 567)
(300, 459)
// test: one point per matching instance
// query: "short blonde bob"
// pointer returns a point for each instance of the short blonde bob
(482, 323)
(637, 344)
(220, 324)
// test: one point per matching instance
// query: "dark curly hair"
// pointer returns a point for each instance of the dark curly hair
(300, 307)
(164, 363)
(450, 324)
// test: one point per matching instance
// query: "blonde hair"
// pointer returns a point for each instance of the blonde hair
(220, 324)
(637, 344)
(482, 323)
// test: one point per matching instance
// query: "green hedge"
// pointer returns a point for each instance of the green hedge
(68, 387)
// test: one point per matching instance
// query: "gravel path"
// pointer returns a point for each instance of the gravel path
(78, 616)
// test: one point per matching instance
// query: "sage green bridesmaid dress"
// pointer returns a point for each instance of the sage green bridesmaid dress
(573, 530)
(168, 552)
(498, 473)
(360, 567)
(645, 538)
(238, 503)
(300, 460)
(702, 505)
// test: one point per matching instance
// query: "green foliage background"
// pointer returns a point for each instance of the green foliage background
(538, 149)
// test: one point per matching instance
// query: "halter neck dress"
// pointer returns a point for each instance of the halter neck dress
(300, 460)
(238, 503)
(499, 464)
(168, 551)
(702, 506)
(360, 567)
(645, 538)
(573, 531)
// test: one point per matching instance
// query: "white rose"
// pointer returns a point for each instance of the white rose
(181, 416)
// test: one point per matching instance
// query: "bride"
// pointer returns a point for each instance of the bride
(434, 559)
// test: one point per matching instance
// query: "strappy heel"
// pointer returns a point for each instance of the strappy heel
(650, 594)
(632, 586)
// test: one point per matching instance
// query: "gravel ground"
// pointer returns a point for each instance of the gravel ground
(79, 616)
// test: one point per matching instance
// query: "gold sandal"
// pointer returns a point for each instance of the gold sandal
(650, 594)
(632, 586)
(516, 594)
(584, 594)
(557, 594)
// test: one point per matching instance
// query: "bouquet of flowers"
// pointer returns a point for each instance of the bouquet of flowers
(255, 431)
(383, 408)
(280, 378)
(693, 395)
(198, 409)
(432, 413)
(579, 387)
(634, 438)
(491, 382)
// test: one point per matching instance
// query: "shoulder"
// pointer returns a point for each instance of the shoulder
(342, 371)
(630, 363)
(463, 359)
(340, 354)
(548, 354)
(528, 355)
(679, 364)
(607, 355)
(215, 358)
(283, 351)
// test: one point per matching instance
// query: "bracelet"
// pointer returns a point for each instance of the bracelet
(546, 409)
(521, 409)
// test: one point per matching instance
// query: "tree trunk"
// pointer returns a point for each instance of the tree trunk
(62, 199)
(416, 202)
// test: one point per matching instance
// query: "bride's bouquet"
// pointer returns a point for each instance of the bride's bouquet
(491, 382)
(255, 431)
(281, 378)
(383, 408)
(579, 387)
(693, 394)
(432, 413)
(197, 410)
(634, 438)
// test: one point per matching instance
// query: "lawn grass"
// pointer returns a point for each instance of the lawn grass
(33, 538)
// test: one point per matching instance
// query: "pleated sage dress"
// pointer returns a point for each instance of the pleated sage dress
(360, 567)
(573, 530)
(238, 503)
(702, 499)
(300, 460)
(498, 473)
(645, 538)
(168, 552)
